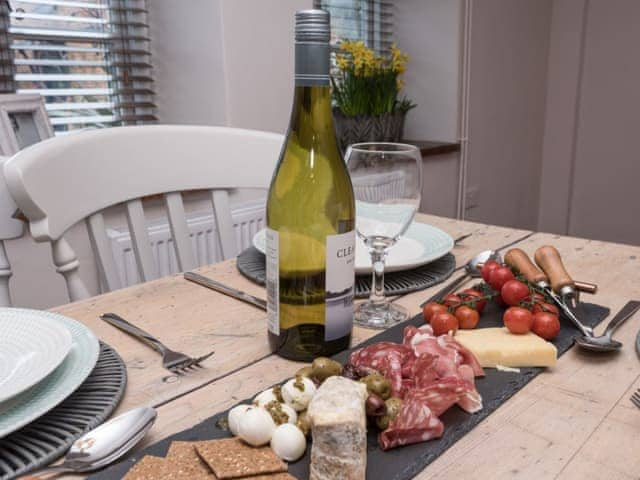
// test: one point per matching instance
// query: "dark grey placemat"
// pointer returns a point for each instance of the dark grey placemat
(405, 462)
(47, 438)
(251, 264)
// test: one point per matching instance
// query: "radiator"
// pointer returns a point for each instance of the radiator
(248, 218)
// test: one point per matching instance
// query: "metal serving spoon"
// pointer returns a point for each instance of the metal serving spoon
(605, 343)
(470, 270)
(106, 443)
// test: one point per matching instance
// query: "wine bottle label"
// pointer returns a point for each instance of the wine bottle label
(272, 248)
(340, 278)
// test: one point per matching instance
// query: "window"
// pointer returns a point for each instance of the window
(368, 20)
(88, 58)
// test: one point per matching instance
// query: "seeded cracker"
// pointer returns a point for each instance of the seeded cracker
(149, 468)
(186, 463)
(232, 458)
(273, 476)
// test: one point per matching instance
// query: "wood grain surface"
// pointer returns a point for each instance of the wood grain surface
(572, 421)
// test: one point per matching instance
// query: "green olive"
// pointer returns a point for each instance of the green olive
(378, 384)
(305, 372)
(303, 423)
(393, 405)
(323, 368)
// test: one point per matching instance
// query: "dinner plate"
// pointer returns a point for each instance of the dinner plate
(420, 244)
(64, 380)
(31, 346)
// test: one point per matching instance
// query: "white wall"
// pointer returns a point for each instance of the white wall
(509, 49)
(188, 60)
(430, 31)
(591, 161)
(224, 62)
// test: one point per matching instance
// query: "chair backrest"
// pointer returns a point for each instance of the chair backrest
(10, 228)
(63, 180)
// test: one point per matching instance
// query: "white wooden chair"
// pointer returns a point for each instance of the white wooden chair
(61, 181)
(10, 228)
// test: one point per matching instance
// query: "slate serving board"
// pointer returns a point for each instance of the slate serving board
(405, 462)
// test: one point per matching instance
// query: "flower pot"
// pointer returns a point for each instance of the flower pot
(387, 127)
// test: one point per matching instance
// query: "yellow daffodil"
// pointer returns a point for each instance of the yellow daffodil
(368, 82)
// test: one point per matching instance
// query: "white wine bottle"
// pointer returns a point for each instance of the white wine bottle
(310, 214)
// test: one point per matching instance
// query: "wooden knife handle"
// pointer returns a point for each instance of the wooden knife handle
(548, 259)
(518, 259)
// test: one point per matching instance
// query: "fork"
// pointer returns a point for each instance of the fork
(175, 362)
(635, 398)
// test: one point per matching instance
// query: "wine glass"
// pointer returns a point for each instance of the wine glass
(387, 184)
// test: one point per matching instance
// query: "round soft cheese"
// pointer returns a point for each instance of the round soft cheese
(288, 442)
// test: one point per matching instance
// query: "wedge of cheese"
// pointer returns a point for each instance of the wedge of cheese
(339, 428)
(498, 346)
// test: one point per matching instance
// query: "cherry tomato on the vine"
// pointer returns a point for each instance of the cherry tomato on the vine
(471, 294)
(487, 268)
(537, 298)
(513, 292)
(452, 300)
(517, 320)
(545, 307)
(546, 325)
(431, 308)
(467, 317)
(444, 322)
(499, 277)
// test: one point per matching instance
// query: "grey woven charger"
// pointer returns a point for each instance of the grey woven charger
(47, 438)
(251, 264)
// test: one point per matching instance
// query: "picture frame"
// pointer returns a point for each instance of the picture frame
(23, 122)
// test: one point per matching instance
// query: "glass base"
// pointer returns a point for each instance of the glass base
(379, 315)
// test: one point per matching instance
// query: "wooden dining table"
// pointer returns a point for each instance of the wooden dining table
(574, 420)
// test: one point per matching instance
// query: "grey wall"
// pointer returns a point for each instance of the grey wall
(509, 49)
(591, 163)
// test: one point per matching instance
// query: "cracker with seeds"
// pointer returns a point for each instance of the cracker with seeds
(232, 458)
(273, 476)
(186, 463)
(149, 468)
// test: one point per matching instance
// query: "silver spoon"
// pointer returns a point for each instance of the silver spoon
(470, 270)
(605, 343)
(105, 444)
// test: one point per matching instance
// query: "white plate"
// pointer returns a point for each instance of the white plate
(31, 346)
(420, 245)
(62, 382)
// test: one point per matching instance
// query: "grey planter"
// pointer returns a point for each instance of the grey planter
(387, 127)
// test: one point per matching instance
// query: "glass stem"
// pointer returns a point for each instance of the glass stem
(378, 256)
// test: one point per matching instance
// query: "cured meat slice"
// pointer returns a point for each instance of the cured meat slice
(415, 423)
(468, 358)
(387, 358)
(450, 353)
(424, 370)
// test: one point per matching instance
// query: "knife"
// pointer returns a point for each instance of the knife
(222, 288)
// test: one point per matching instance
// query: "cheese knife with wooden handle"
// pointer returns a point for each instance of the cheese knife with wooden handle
(550, 276)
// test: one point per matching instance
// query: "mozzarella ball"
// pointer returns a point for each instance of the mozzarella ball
(265, 397)
(288, 442)
(298, 392)
(235, 414)
(256, 426)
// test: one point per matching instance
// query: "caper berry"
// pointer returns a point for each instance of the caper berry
(323, 368)
(303, 423)
(393, 405)
(378, 384)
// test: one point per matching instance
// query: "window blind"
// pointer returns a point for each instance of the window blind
(89, 59)
(368, 20)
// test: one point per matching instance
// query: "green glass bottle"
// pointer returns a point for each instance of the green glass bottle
(310, 214)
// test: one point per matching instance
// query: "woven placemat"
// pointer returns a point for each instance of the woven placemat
(49, 437)
(251, 264)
